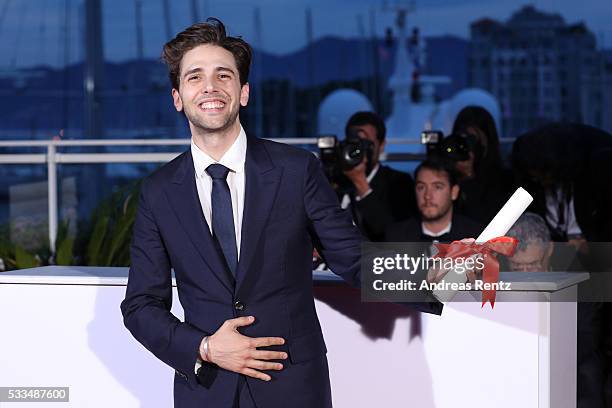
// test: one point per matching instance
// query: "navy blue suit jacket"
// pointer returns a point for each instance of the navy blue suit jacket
(288, 205)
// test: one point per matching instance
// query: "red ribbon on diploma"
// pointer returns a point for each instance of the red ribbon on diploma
(490, 272)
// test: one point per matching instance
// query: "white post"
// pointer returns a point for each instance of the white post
(52, 195)
(557, 337)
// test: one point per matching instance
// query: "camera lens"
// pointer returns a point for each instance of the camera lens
(352, 154)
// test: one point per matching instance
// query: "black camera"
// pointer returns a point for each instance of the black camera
(338, 157)
(457, 146)
(454, 147)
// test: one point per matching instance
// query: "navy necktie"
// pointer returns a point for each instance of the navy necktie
(222, 215)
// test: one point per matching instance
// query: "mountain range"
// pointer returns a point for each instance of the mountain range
(38, 101)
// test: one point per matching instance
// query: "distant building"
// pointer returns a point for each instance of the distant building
(541, 69)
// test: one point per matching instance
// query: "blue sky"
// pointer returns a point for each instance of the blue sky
(34, 31)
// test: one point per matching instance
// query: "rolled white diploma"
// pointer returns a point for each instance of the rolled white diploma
(499, 226)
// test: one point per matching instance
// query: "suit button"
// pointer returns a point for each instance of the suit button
(238, 305)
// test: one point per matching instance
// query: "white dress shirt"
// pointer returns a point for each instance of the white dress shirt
(569, 225)
(234, 160)
(430, 233)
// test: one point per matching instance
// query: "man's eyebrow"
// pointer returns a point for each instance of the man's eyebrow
(192, 71)
(225, 69)
(218, 69)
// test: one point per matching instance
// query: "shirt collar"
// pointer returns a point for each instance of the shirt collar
(427, 232)
(234, 158)
(373, 173)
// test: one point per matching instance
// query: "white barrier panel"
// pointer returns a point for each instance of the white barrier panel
(62, 327)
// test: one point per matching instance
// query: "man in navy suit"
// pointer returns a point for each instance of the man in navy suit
(235, 217)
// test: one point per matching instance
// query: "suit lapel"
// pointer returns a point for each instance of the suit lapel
(182, 194)
(262, 181)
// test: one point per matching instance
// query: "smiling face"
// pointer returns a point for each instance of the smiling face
(210, 93)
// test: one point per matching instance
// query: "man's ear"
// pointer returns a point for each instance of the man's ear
(178, 102)
(244, 94)
(382, 146)
(455, 192)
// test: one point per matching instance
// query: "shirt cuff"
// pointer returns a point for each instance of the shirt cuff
(367, 193)
(198, 364)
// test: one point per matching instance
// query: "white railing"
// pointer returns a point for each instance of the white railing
(52, 158)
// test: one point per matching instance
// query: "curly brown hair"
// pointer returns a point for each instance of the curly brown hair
(210, 32)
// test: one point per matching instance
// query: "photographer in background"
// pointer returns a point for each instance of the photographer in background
(535, 246)
(377, 195)
(485, 183)
(436, 189)
(567, 167)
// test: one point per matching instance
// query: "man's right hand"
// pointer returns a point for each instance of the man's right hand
(233, 351)
(436, 275)
(357, 175)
